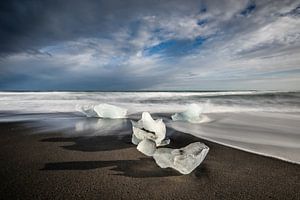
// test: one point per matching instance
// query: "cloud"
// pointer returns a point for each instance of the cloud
(114, 45)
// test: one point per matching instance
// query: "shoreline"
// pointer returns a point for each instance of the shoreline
(55, 165)
(248, 151)
(43, 119)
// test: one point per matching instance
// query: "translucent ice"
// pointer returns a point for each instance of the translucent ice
(184, 160)
(147, 147)
(148, 128)
(88, 110)
(164, 142)
(135, 140)
(140, 134)
(149, 133)
(110, 111)
(192, 114)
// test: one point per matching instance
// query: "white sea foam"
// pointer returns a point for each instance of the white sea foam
(266, 123)
(220, 102)
(271, 134)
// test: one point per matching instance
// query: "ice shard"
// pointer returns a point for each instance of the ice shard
(110, 111)
(164, 142)
(147, 147)
(148, 128)
(192, 114)
(88, 110)
(140, 134)
(184, 160)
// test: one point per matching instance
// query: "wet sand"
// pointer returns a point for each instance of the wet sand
(54, 166)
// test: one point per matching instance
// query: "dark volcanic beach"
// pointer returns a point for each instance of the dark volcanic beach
(54, 165)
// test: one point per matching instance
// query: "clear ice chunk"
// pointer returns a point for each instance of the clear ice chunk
(192, 114)
(110, 111)
(147, 147)
(141, 134)
(88, 110)
(163, 157)
(135, 140)
(149, 134)
(148, 128)
(164, 142)
(184, 160)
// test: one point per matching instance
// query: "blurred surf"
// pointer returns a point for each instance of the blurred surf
(262, 122)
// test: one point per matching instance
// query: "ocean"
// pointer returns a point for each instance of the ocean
(261, 122)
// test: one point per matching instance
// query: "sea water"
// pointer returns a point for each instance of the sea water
(262, 122)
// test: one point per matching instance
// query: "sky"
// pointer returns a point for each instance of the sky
(149, 45)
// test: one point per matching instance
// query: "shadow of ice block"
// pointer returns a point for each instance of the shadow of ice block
(184, 160)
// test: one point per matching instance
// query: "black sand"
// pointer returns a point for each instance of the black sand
(53, 166)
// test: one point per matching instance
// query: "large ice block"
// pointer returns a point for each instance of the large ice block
(148, 128)
(184, 160)
(192, 114)
(88, 110)
(110, 111)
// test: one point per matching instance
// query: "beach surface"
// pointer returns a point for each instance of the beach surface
(58, 165)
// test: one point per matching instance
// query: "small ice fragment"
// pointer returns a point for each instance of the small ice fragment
(164, 142)
(110, 111)
(147, 147)
(184, 160)
(141, 134)
(88, 110)
(148, 128)
(192, 114)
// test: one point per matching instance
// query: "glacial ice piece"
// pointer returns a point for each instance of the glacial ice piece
(135, 140)
(184, 160)
(147, 128)
(140, 134)
(147, 147)
(164, 142)
(88, 110)
(192, 114)
(110, 111)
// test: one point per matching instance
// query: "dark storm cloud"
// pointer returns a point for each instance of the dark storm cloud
(29, 25)
(145, 44)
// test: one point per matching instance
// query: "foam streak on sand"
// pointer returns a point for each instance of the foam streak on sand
(266, 123)
(271, 134)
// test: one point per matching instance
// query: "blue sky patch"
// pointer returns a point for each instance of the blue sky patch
(202, 22)
(175, 47)
(249, 9)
